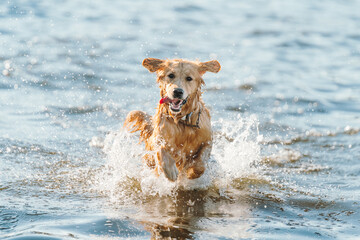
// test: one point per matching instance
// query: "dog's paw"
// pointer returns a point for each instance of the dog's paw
(169, 166)
(194, 172)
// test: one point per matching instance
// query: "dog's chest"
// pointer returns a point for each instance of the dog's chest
(184, 139)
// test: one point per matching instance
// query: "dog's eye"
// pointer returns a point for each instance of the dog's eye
(171, 75)
(188, 79)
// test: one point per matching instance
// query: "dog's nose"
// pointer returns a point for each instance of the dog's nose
(178, 93)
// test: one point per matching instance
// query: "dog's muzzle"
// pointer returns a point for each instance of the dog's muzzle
(175, 104)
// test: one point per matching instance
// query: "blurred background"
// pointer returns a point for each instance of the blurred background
(289, 88)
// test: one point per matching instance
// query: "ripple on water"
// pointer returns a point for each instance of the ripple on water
(74, 110)
(313, 135)
(8, 220)
(282, 157)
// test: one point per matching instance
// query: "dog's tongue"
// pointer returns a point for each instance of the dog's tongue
(165, 100)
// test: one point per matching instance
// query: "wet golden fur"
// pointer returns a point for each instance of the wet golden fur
(175, 147)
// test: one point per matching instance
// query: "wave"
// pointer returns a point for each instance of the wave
(312, 134)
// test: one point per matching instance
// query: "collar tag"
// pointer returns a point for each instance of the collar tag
(187, 117)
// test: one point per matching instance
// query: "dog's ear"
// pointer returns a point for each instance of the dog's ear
(153, 64)
(210, 66)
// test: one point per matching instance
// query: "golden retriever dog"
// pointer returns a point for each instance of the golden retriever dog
(178, 137)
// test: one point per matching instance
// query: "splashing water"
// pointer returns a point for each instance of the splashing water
(235, 155)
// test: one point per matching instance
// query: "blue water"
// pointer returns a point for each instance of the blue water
(285, 110)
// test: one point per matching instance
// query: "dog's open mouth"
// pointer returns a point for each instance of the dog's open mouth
(175, 104)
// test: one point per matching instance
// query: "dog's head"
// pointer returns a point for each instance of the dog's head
(179, 80)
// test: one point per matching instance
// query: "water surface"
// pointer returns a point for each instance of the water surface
(285, 112)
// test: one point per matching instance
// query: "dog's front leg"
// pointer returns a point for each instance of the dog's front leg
(196, 164)
(168, 164)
